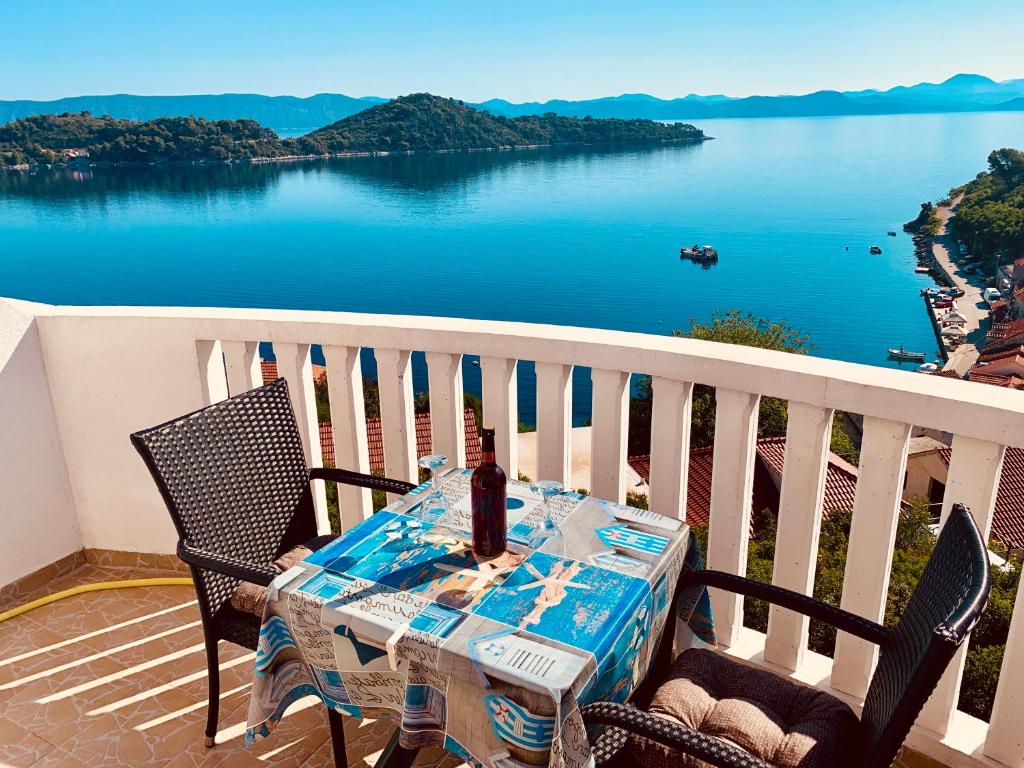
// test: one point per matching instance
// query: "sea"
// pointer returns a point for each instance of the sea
(578, 237)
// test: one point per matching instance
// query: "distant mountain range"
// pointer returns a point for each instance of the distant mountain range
(960, 93)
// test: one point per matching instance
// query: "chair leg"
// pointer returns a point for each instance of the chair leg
(213, 683)
(337, 738)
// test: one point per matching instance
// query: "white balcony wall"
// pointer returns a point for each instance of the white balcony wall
(38, 524)
(109, 377)
(75, 382)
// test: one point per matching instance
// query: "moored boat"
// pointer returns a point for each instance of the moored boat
(900, 353)
(875, 250)
(699, 253)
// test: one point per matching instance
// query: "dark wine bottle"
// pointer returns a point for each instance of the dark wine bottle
(487, 497)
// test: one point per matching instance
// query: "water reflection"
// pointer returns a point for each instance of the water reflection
(415, 175)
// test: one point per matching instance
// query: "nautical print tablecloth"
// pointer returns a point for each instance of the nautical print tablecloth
(489, 658)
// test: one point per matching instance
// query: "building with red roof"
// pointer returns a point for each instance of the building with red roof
(424, 441)
(840, 480)
(928, 468)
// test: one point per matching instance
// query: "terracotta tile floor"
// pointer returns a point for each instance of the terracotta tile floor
(118, 678)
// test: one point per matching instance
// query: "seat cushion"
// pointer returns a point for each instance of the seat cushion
(252, 598)
(783, 723)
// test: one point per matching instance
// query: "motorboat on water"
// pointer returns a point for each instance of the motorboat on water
(874, 250)
(891, 233)
(928, 368)
(900, 353)
(699, 253)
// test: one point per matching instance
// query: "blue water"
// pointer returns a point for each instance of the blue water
(572, 237)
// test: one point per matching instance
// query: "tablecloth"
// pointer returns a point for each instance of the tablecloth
(489, 658)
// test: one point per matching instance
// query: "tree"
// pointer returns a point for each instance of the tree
(730, 327)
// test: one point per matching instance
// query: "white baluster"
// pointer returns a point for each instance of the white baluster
(554, 423)
(212, 377)
(608, 435)
(447, 409)
(243, 364)
(348, 423)
(296, 366)
(805, 466)
(397, 415)
(1005, 741)
(732, 484)
(973, 480)
(876, 509)
(501, 410)
(670, 445)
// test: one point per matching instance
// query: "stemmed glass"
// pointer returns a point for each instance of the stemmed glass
(547, 530)
(435, 503)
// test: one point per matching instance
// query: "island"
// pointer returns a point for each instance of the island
(419, 122)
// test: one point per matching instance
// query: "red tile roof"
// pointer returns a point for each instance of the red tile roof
(840, 479)
(948, 374)
(1011, 381)
(269, 371)
(1008, 518)
(1004, 335)
(375, 440)
(1001, 354)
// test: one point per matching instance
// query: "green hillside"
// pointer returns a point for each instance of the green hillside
(419, 122)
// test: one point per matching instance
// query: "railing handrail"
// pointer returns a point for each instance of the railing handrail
(985, 412)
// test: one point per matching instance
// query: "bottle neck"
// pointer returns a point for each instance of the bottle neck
(488, 457)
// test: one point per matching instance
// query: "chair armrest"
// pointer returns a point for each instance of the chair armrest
(227, 566)
(363, 481)
(670, 734)
(794, 601)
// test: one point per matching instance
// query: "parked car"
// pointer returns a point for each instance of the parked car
(942, 303)
(954, 293)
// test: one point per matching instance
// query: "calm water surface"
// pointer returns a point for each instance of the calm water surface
(586, 238)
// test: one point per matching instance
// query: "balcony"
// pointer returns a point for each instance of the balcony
(75, 381)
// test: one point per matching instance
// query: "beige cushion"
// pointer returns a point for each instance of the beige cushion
(783, 723)
(252, 598)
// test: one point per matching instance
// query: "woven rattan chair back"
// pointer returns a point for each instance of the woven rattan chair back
(942, 610)
(234, 478)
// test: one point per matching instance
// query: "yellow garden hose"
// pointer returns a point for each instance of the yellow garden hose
(166, 581)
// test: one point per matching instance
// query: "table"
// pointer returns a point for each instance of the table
(489, 658)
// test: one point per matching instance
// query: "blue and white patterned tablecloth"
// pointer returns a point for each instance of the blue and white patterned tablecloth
(489, 658)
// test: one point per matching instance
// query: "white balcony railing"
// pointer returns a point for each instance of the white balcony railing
(74, 382)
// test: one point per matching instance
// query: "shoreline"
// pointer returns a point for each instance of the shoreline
(970, 305)
(263, 160)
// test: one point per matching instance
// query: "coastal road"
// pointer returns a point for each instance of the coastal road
(970, 305)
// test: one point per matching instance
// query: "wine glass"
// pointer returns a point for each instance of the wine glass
(547, 530)
(435, 503)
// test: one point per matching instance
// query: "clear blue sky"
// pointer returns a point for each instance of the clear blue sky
(520, 50)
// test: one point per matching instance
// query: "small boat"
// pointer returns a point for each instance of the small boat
(922, 270)
(891, 233)
(699, 253)
(875, 250)
(902, 354)
(927, 368)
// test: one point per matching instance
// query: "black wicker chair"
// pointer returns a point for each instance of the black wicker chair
(943, 609)
(234, 478)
